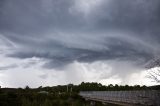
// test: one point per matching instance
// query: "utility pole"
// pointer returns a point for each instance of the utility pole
(71, 89)
(67, 88)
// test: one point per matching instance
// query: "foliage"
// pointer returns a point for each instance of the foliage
(66, 95)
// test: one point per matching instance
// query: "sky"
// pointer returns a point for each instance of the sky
(54, 42)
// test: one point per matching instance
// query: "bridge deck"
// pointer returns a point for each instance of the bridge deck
(146, 98)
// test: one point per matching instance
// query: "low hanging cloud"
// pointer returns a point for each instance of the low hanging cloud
(60, 33)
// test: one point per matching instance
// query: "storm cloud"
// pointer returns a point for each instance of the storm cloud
(85, 31)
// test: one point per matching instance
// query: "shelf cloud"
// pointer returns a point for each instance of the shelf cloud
(63, 33)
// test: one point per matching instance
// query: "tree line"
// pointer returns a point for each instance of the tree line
(61, 95)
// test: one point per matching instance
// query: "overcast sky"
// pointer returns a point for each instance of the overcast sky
(53, 42)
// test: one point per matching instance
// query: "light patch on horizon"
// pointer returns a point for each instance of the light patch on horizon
(35, 75)
(112, 80)
(142, 78)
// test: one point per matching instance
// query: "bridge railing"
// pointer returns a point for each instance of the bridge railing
(146, 97)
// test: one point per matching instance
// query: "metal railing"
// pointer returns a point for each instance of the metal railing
(146, 97)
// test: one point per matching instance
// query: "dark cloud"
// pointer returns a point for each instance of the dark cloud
(66, 31)
(134, 14)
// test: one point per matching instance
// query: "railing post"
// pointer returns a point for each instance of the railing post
(92, 103)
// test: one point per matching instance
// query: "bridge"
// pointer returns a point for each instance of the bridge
(124, 98)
